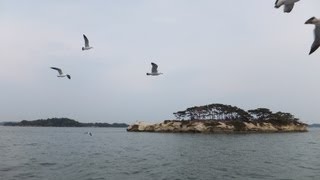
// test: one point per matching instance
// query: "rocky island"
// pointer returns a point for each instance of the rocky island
(220, 118)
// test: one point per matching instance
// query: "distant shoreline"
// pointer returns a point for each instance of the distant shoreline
(314, 125)
(61, 122)
(66, 126)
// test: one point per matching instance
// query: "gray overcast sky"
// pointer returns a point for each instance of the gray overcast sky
(243, 53)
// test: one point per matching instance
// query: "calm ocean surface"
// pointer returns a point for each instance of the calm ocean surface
(112, 153)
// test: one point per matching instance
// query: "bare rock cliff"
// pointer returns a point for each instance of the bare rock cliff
(206, 126)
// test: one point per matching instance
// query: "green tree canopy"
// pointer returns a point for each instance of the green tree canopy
(227, 112)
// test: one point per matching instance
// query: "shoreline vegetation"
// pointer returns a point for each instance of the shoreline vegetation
(61, 122)
(220, 118)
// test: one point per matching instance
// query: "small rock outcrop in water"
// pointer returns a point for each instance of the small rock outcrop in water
(215, 118)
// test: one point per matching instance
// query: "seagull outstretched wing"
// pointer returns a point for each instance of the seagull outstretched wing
(86, 41)
(58, 69)
(316, 42)
(154, 68)
(288, 7)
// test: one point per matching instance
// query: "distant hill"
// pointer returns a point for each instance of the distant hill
(61, 122)
(314, 125)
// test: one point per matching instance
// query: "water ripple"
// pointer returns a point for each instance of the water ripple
(65, 153)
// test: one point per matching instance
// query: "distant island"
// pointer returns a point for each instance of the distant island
(220, 118)
(314, 125)
(61, 122)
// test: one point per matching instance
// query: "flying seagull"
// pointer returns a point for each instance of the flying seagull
(316, 42)
(288, 4)
(61, 73)
(86, 43)
(154, 70)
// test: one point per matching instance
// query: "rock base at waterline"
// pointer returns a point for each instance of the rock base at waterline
(214, 126)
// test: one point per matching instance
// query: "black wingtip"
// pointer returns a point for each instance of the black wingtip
(310, 52)
(275, 4)
(313, 49)
(309, 21)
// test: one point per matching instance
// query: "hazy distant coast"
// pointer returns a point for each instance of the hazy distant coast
(215, 118)
(314, 125)
(61, 122)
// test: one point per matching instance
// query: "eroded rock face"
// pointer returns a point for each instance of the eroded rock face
(207, 126)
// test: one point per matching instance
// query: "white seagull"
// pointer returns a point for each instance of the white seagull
(61, 73)
(88, 133)
(86, 43)
(154, 70)
(288, 4)
(316, 42)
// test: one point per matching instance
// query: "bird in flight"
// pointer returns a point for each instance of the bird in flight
(61, 74)
(86, 43)
(154, 70)
(316, 43)
(288, 4)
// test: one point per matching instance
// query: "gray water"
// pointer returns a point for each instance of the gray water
(111, 153)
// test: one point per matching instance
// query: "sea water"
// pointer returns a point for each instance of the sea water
(112, 153)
